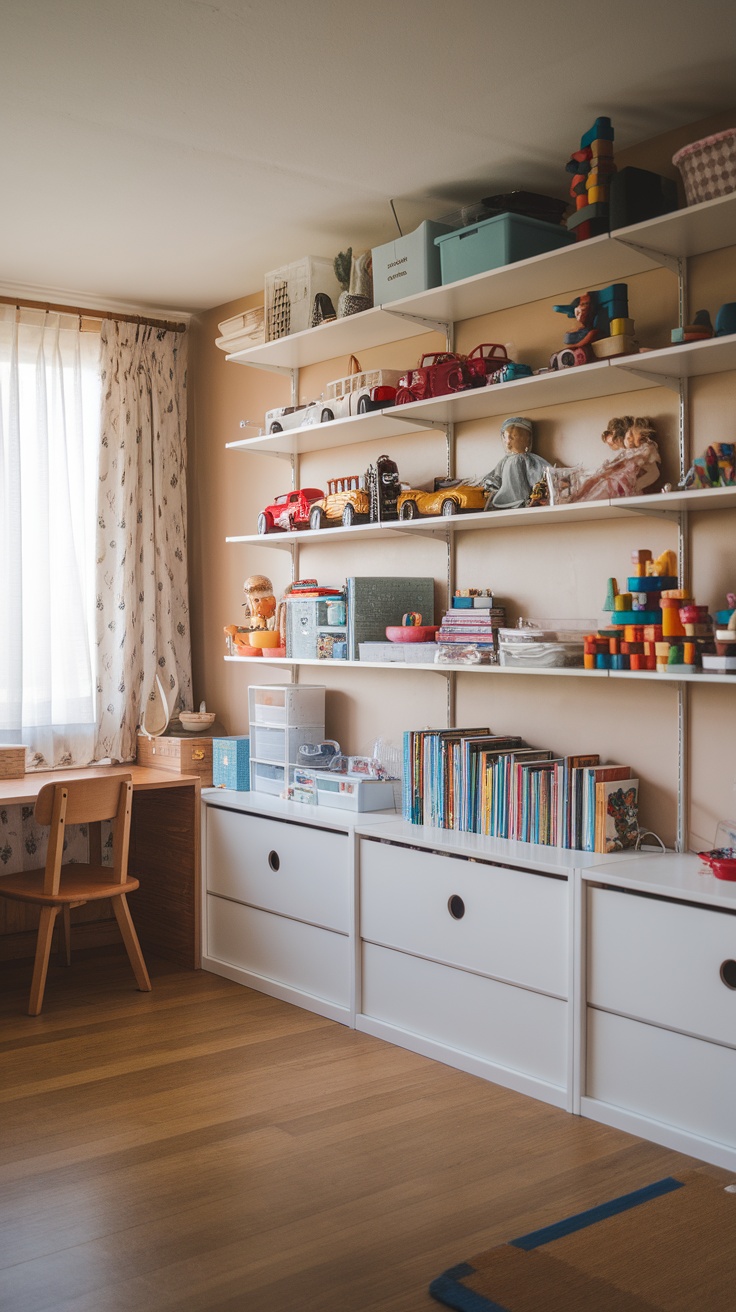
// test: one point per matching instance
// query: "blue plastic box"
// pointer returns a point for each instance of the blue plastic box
(231, 763)
(494, 242)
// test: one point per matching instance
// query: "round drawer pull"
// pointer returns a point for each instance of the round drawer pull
(274, 860)
(728, 973)
(456, 906)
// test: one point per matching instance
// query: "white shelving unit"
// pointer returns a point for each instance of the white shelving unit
(379, 937)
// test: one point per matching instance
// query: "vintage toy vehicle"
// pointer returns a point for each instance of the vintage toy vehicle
(450, 497)
(358, 394)
(485, 360)
(290, 416)
(290, 511)
(437, 373)
(569, 356)
(359, 498)
(510, 372)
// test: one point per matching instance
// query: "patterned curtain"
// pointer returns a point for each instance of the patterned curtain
(143, 636)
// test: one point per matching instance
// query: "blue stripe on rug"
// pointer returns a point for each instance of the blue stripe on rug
(579, 1222)
(448, 1290)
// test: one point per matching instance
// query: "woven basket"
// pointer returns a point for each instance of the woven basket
(708, 167)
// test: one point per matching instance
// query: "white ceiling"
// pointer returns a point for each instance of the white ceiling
(168, 153)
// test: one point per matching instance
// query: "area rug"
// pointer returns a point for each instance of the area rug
(669, 1246)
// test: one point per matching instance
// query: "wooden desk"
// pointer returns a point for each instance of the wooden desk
(164, 856)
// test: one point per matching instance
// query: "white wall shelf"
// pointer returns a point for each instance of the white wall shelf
(356, 332)
(323, 437)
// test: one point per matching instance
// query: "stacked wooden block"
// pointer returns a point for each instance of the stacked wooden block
(655, 624)
(592, 167)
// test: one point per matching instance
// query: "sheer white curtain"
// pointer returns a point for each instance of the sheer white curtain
(143, 637)
(49, 445)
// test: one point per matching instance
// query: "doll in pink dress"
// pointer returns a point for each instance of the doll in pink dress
(632, 467)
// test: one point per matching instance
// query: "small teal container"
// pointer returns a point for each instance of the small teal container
(495, 242)
(231, 763)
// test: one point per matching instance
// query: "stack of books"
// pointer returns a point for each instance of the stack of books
(478, 782)
(475, 625)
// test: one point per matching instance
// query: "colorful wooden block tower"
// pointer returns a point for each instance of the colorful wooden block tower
(591, 167)
(655, 624)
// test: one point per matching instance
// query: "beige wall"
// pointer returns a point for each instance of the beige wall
(542, 573)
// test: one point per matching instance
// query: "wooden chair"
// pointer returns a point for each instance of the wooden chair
(60, 888)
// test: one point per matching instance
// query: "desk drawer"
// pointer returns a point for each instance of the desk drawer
(514, 925)
(314, 961)
(667, 1077)
(287, 868)
(520, 1030)
(661, 961)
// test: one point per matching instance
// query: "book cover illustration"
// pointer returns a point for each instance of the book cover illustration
(617, 815)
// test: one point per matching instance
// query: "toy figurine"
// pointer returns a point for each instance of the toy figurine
(632, 468)
(260, 603)
(717, 468)
(591, 167)
(616, 430)
(510, 482)
(604, 327)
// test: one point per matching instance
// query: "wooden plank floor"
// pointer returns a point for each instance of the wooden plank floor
(208, 1147)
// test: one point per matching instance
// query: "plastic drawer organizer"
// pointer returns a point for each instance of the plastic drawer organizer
(282, 718)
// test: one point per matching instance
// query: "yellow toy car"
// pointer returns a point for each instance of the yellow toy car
(347, 502)
(448, 498)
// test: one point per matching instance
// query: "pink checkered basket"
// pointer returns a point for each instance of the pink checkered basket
(708, 167)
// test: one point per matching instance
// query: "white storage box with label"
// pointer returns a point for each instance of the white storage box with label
(409, 264)
(290, 292)
(282, 717)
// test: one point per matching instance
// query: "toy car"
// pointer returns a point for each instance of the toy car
(448, 498)
(290, 416)
(437, 373)
(510, 372)
(359, 498)
(358, 394)
(485, 360)
(290, 511)
(568, 357)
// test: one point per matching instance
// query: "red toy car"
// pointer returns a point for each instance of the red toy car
(438, 373)
(485, 360)
(290, 511)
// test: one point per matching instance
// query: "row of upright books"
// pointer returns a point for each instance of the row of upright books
(477, 782)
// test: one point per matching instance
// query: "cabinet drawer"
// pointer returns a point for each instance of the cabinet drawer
(291, 869)
(667, 1077)
(512, 1027)
(661, 961)
(514, 925)
(315, 961)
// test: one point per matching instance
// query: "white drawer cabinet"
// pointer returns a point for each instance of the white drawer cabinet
(660, 1051)
(502, 922)
(469, 962)
(287, 868)
(278, 907)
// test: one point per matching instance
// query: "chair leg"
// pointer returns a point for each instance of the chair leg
(130, 939)
(67, 925)
(41, 963)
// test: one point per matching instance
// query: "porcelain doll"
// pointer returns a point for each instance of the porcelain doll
(510, 483)
(631, 469)
(260, 603)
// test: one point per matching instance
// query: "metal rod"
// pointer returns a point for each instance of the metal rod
(85, 313)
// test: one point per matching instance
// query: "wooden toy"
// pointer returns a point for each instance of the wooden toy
(592, 168)
(359, 498)
(595, 311)
(699, 330)
(716, 468)
(449, 497)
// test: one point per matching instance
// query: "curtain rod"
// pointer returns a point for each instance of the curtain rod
(20, 303)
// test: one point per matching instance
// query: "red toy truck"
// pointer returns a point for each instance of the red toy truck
(290, 511)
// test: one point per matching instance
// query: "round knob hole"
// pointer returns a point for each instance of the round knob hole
(728, 973)
(456, 907)
(274, 860)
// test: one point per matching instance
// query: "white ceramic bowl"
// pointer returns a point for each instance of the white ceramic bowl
(193, 721)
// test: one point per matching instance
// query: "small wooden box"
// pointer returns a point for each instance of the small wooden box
(12, 762)
(178, 755)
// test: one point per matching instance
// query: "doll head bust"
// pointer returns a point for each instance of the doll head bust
(615, 431)
(639, 432)
(517, 433)
(260, 602)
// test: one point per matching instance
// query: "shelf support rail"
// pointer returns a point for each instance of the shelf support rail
(432, 325)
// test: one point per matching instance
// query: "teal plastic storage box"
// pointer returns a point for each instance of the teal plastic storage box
(408, 265)
(231, 764)
(494, 242)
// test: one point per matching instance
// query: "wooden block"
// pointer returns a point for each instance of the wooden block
(177, 755)
(622, 601)
(622, 344)
(596, 194)
(588, 661)
(601, 148)
(12, 761)
(622, 327)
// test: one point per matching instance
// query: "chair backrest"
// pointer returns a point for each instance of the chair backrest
(85, 801)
